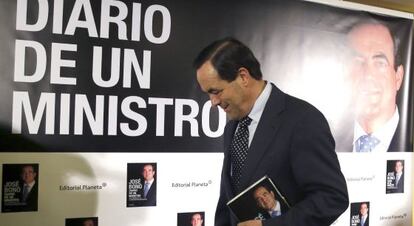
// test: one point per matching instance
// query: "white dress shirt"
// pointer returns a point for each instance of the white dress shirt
(258, 109)
(277, 208)
(29, 186)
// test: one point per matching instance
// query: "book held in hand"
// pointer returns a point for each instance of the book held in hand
(261, 200)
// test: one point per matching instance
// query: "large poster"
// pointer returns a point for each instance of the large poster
(113, 75)
(109, 84)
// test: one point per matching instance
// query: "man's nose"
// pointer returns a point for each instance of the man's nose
(369, 70)
(214, 100)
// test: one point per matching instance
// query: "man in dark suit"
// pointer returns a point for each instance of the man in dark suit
(150, 185)
(363, 215)
(398, 177)
(288, 139)
(29, 188)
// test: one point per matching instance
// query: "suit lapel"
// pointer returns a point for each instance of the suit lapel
(264, 135)
(228, 137)
(398, 141)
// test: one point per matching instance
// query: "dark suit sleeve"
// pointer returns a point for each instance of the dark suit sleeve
(316, 172)
(32, 199)
(222, 211)
(152, 195)
(223, 214)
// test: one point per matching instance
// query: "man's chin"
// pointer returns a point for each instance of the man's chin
(371, 99)
(368, 113)
(232, 116)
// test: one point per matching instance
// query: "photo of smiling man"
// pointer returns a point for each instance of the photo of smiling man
(376, 75)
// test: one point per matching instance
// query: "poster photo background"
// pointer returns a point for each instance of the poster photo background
(109, 83)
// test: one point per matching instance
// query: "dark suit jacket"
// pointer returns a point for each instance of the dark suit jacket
(293, 145)
(31, 200)
(396, 187)
(400, 141)
(399, 187)
(366, 223)
(151, 196)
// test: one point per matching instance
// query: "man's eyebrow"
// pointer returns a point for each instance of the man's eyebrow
(354, 53)
(381, 56)
(213, 90)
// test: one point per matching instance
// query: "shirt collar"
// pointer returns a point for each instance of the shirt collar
(277, 208)
(385, 133)
(260, 103)
(150, 181)
(30, 185)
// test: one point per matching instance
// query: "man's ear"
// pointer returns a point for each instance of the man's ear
(399, 75)
(244, 76)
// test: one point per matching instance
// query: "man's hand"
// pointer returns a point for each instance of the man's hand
(250, 223)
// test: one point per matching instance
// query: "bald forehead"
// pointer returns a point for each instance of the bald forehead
(372, 31)
(208, 78)
(25, 168)
(197, 215)
(260, 190)
(148, 167)
(207, 71)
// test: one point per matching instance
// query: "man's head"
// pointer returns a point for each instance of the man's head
(196, 219)
(363, 209)
(376, 76)
(229, 72)
(265, 198)
(28, 174)
(399, 166)
(88, 222)
(148, 172)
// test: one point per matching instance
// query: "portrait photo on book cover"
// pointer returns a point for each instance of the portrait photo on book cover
(262, 200)
(141, 184)
(190, 219)
(395, 176)
(84, 221)
(359, 214)
(20, 187)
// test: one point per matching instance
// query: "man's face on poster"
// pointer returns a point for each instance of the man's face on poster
(398, 167)
(196, 220)
(88, 223)
(148, 172)
(363, 210)
(28, 174)
(374, 78)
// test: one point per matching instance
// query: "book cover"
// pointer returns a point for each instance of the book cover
(88, 221)
(359, 214)
(261, 200)
(395, 176)
(20, 187)
(141, 184)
